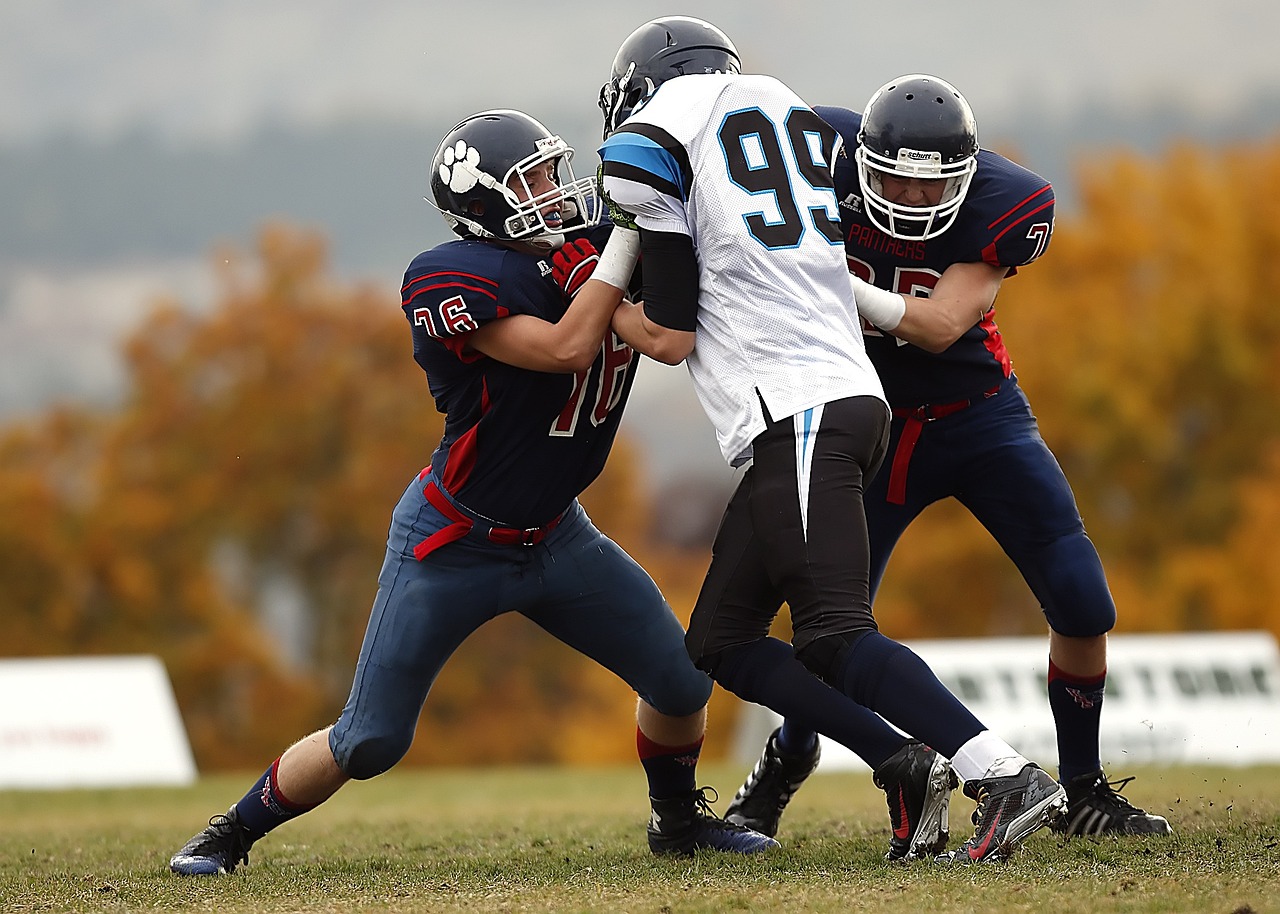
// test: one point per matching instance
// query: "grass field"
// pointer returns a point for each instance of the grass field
(544, 840)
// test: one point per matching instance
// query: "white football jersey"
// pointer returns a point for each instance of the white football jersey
(742, 165)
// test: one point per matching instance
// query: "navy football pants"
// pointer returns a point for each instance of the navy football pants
(577, 584)
(992, 459)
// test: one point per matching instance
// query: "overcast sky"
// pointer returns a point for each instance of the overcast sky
(200, 71)
(217, 68)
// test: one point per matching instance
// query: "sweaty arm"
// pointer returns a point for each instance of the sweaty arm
(964, 293)
(570, 344)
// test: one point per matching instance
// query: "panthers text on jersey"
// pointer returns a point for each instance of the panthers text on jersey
(518, 445)
(741, 165)
(1006, 220)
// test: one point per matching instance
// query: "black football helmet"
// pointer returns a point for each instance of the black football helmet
(916, 127)
(480, 180)
(659, 50)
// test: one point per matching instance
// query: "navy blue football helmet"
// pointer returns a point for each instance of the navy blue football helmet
(916, 127)
(659, 50)
(480, 180)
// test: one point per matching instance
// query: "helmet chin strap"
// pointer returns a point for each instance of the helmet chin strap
(541, 245)
(548, 242)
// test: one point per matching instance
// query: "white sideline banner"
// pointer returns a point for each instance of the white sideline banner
(90, 722)
(1185, 699)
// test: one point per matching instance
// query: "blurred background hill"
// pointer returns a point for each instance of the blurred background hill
(136, 137)
(256, 168)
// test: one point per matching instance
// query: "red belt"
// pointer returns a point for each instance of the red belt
(916, 418)
(462, 525)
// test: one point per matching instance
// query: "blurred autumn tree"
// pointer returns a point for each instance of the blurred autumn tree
(260, 451)
(230, 516)
(1148, 339)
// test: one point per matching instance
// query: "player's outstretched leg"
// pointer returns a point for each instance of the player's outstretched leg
(768, 789)
(917, 782)
(1095, 807)
(1009, 809)
(215, 851)
(686, 824)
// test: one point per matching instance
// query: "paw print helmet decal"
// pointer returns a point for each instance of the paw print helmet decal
(485, 180)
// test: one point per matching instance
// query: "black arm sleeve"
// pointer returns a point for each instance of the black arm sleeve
(670, 279)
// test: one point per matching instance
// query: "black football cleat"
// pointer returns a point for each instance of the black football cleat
(1009, 809)
(687, 824)
(215, 851)
(1095, 807)
(917, 782)
(768, 789)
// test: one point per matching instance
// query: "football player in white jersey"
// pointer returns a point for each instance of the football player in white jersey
(727, 178)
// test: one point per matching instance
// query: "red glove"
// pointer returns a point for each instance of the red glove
(573, 264)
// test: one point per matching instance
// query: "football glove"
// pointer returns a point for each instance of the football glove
(573, 264)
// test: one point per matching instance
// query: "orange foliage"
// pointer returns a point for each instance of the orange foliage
(1149, 343)
(267, 441)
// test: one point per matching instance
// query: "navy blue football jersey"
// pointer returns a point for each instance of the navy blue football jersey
(1006, 220)
(518, 445)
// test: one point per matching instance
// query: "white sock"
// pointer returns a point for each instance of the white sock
(987, 756)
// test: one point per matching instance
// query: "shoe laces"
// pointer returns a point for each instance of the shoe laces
(225, 826)
(984, 795)
(703, 797)
(1109, 792)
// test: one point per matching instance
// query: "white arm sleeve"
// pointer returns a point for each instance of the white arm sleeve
(881, 307)
(618, 259)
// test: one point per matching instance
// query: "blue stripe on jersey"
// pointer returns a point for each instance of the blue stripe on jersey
(650, 156)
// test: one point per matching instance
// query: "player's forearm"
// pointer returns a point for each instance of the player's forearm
(574, 341)
(933, 328)
(907, 318)
(963, 295)
(657, 342)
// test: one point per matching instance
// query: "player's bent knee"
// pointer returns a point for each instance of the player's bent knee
(368, 758)
(680, 697)
(824, 655)
(1079, 602)
(1084, 625)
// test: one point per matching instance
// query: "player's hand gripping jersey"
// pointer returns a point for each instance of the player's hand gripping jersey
(518, 445)
(1006, 220)
(741, 165)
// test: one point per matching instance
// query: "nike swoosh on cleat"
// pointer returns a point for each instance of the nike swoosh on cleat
(901, 831)
(977, 851)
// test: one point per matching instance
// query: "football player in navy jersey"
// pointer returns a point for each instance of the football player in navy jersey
(510, 322)
(727, 178)
(935, 225)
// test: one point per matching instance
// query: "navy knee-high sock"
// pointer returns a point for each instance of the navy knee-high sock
(766, 672)
(892, 680)
(670, 769)
(1076, 703)
(794, 738)
(264, 806)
